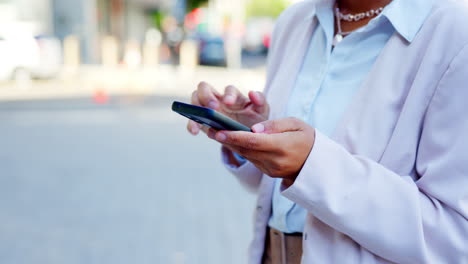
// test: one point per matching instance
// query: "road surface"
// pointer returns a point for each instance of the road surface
(115, 183)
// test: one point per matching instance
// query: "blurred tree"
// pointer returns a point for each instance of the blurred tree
(192, 4)
(266, 8)
(157, 17)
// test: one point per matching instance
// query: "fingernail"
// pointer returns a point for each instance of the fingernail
(229, 99)
(213, 104)
(221, 137)
(258, 128)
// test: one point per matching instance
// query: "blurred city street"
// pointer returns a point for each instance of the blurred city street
(120, 182)
(166, 80)
(95, 167)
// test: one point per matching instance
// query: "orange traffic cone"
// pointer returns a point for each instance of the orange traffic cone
(100, 96)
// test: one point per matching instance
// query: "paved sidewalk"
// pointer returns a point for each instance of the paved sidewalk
(164, 80)
(120, 183)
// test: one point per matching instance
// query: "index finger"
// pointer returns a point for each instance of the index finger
(234, 98)
(207, 96)
(247, 140)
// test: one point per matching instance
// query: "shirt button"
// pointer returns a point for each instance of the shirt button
(305, 236)
(259, 208)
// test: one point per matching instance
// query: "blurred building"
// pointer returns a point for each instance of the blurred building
(32, 16)
(126, 20)
(91, 20)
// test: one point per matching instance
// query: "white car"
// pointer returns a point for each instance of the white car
(23, 56)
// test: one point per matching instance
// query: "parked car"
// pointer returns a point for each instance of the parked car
(212, 51)
(25, 57)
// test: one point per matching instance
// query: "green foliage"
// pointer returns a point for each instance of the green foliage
(157, 18)
(268, 8)
(157, 15)
(192, 4)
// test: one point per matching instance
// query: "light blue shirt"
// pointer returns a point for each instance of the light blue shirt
(326, 83)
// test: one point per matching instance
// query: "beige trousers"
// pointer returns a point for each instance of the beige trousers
(281, 248)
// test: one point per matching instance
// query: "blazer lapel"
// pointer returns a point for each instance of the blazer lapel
(368, 124)
(290, 64)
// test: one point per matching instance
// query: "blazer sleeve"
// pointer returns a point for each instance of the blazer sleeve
(247, 174)
(391, 215)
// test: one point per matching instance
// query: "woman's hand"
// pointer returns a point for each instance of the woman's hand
(278, 148)
(246, 110)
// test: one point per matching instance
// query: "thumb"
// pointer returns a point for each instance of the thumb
(279, 126)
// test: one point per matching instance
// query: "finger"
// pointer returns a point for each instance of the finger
(256, 158)
(208, 96)
(259, 101)
(194, 99)
(279, 126)
(248, 140)
(252, 156)
(234, 98)
(211, 133)
(204, 129)
(193, 127)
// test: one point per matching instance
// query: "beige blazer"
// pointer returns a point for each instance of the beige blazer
(391, 185)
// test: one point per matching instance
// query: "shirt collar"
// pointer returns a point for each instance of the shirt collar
(317, 5)
(406, 16)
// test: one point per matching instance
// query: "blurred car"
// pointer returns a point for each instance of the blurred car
(212, 51)
(25, 57)
(257, 35)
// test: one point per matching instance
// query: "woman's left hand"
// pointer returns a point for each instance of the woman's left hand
(278, 147)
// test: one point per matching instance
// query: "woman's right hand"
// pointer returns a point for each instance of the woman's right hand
(246, 110)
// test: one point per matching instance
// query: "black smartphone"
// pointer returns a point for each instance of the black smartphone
(208, 117)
